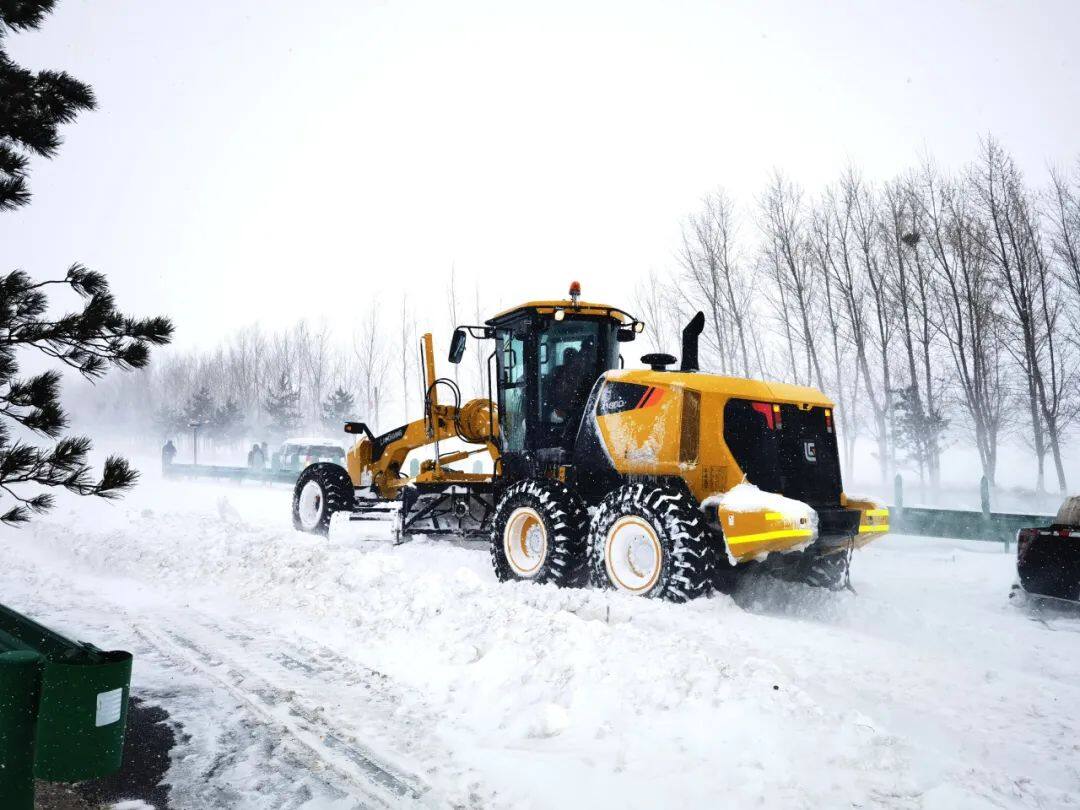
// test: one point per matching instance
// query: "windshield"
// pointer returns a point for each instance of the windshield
(325, 451)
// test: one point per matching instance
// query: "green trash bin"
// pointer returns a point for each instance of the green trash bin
(82, 717)
(79, 700)
(20, 683)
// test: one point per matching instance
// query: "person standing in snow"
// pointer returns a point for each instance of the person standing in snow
(168, 453)
(256, 458)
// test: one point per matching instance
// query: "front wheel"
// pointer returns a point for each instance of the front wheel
(321, 490)
(650, 541)
(538, 534)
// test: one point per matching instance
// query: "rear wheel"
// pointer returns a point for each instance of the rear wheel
(538, 534)
(828, 571)
(816, 570)
(650, 541)
(321, 490)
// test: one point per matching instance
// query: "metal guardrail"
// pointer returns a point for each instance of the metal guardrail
(63, 709)
(230, 473)
(999, 527)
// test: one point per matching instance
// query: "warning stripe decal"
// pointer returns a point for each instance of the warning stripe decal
(651, 397)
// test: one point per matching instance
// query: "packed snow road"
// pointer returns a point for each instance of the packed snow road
(352, 673)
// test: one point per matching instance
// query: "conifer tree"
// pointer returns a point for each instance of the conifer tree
(227, 421)
(337, 409)
(282, 407)
(90, 340)
(199, 407)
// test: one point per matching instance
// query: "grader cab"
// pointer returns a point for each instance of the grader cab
(690, 478)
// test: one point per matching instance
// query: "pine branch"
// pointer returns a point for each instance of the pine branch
(20, 15)
(33, 107)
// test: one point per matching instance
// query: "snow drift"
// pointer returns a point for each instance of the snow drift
(477, 693)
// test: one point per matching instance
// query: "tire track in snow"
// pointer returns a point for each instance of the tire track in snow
(379, 782)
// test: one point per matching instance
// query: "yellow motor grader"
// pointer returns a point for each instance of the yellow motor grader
(661, 481)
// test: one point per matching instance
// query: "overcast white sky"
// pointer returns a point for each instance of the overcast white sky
(267, 160)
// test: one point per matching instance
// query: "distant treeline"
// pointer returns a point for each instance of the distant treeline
(935, 308)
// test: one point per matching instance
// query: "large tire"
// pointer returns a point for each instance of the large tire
(321, 490)
(651, 541)
(538, 534)
(827, 571)
(811, 568)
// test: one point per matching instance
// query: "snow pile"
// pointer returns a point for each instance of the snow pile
(746, 497)
(521, 695)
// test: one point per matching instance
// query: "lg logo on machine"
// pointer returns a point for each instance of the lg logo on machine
(810, 451)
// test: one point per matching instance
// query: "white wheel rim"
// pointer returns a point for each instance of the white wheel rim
(632, 554)
(525, 541)
(312, 503)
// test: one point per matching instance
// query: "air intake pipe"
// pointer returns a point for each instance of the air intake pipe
(690, 334)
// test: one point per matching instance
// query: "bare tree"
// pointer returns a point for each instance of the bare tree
(856, 270)
(1015, 249)
(479, 348)
(842, 377)
(314, 367)
(909, 276)
(784, 227)
(967, 298)
(370, 354)
(654, 303)
(1063, 213)
(712, 280)
(406, 353)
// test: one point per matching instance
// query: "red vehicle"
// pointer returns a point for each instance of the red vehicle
(1048, 558)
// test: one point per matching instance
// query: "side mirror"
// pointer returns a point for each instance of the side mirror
(625, 335)
(457, 345)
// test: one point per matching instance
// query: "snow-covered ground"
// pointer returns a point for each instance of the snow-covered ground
(345, 673)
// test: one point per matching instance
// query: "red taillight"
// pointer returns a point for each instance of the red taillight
(1023, 540)
(766, 410)
(828, 420)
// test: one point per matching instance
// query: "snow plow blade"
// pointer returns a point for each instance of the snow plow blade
(752, 533)
(1048, 561)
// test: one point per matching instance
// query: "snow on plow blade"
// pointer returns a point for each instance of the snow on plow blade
(755, 523)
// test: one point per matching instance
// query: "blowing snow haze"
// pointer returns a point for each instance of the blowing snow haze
(743, 479)
(263, 161)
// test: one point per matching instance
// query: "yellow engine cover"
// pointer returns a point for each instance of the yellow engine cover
(665, 423)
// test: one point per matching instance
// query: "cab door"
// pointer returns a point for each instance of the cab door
(513, 386)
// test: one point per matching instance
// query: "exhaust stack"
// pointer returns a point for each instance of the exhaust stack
(690, 334)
